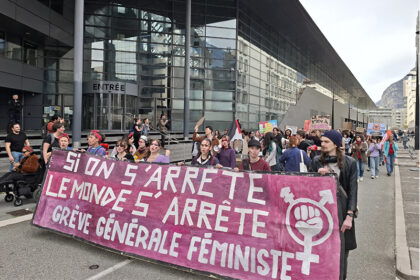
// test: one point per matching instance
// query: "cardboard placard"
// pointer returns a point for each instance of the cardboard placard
(347, 126)
(320, 122)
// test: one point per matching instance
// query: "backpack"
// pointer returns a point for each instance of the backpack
(43, 141)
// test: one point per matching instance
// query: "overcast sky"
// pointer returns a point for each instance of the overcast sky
(375, 38)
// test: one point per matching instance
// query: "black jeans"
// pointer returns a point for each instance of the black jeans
(11, 177)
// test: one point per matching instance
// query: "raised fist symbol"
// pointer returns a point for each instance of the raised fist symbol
(308, 222)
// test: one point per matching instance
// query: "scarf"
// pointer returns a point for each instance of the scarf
(359, 155)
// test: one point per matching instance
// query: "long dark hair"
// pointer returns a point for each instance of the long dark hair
(199, 152)
(268, 138)
(340, 158)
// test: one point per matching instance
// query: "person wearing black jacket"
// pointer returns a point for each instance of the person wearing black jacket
(333, 160)
(15, 109)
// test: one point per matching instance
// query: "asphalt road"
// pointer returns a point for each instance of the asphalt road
(28, 252)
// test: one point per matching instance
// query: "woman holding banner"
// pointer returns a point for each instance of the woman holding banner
(204, 157)
(95, 138)
(333, 160)
(154, 156)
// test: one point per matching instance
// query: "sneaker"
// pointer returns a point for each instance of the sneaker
(361, 179)
(372, 177)
(368, 169)
(377, 177)
(388, 174)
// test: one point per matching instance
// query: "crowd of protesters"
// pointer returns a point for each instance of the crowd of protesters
(346, 153)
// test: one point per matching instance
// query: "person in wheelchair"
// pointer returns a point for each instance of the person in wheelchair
(28, 165)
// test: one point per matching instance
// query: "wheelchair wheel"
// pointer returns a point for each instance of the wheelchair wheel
(9, 197)
(17, 202)
(37, 194)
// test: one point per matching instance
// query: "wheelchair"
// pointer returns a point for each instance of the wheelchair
(29, 185)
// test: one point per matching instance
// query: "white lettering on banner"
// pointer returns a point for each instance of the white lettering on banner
(49, 193)
(74, 219)
(145, 206)
(190, 173)
(253, 188)
(170, 176)
(239, 257)
(234, 176)
(156, 177)
(131, 175)
(74, 164)
(204, 180)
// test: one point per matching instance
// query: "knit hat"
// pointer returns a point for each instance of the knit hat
(334, 136)
(254, 143)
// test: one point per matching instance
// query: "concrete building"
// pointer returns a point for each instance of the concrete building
(248, 61)
(381, 115)
(410, 96)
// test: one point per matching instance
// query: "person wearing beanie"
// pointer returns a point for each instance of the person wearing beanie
(254, 162)
(333, 160)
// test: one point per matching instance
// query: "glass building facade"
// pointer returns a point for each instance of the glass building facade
(244, 64)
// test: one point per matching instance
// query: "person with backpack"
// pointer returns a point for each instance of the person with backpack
(293, 158)
(254, 162)
(51, 140)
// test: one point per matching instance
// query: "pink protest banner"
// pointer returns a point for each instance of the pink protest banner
(238, 224)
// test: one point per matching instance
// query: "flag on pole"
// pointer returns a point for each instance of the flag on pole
(235, 131)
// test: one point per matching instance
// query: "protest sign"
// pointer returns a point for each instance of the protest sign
(307, 126)
(376, 129)
(241, 225)
(320, 122)
(267, 126)
(348, 126)
(360, 129)
(292, 128)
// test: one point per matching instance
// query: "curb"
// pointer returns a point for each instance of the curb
(402, 255)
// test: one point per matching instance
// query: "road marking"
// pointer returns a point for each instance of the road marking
(15, 220)
(110, 270)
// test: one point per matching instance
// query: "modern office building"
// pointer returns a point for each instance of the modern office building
(410, 94)
(249, 60)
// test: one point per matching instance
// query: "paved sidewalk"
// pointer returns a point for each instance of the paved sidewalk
(407, 210)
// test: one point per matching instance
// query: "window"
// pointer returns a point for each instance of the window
(30, 54)
(2, 43)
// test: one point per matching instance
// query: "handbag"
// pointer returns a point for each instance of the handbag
(302, 166)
